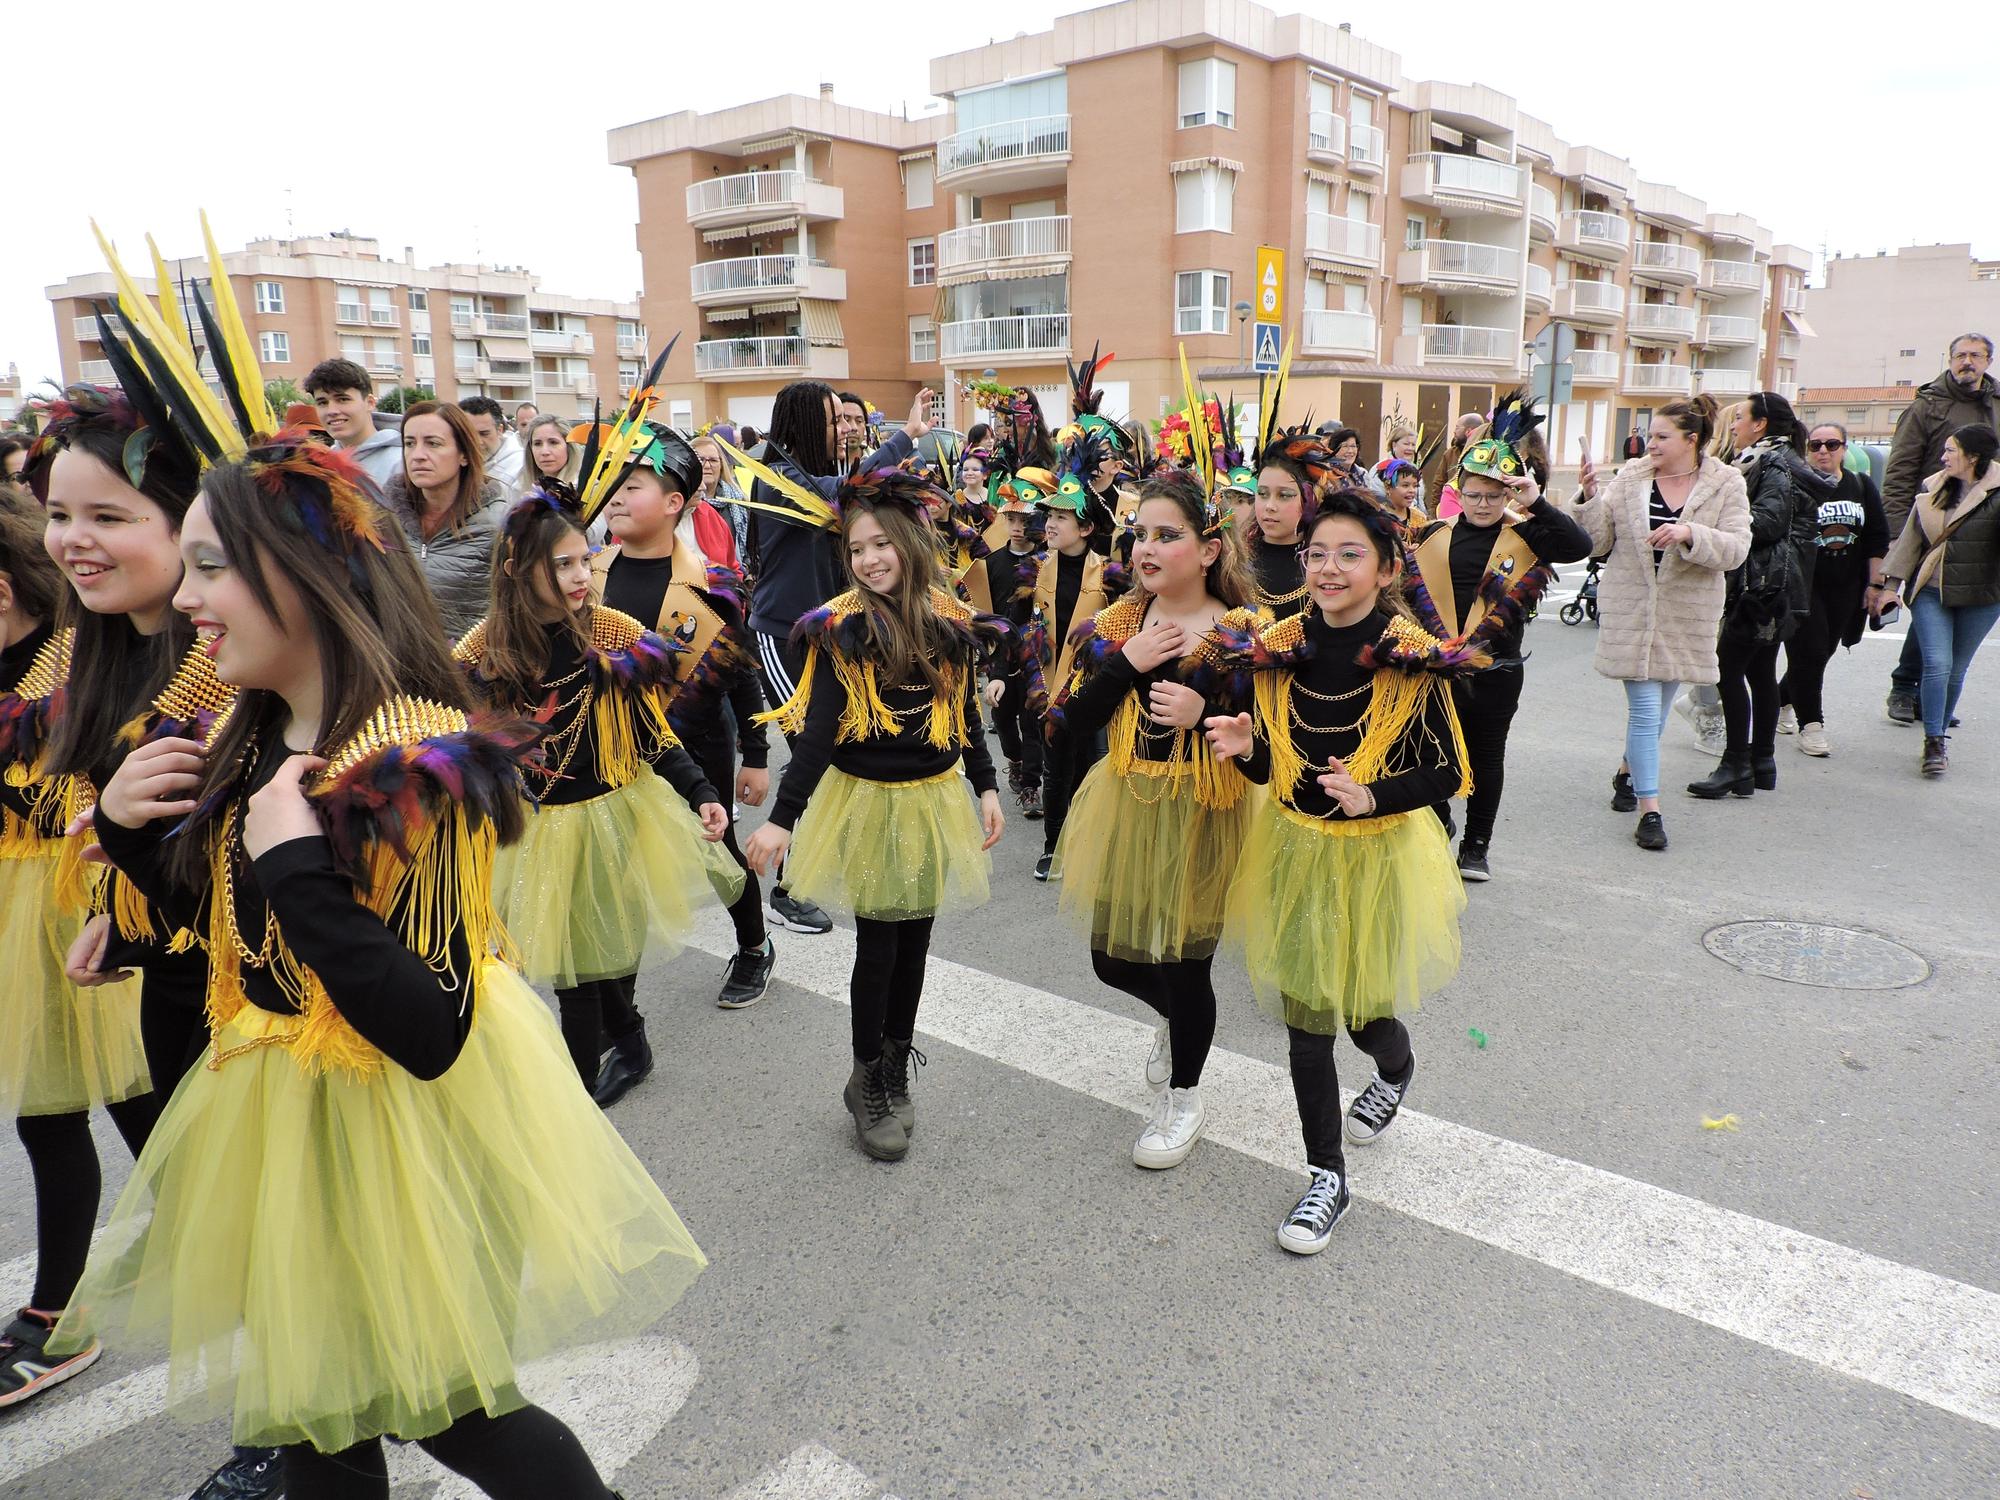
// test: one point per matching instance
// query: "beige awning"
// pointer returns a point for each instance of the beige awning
(773, 226)
(717, 236)
(1196, 163)
(1331, 179)
(820, 322)
(727, 314)
(1798, 324)
(788, 305)
(1004, 273)
(905, 157)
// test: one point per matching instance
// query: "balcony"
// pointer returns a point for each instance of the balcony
(1326, 135)
(1659, 322)
(1593, 367)
(1731, 277)
(1656, 260)
(757, 359)
(631, 343)
(1541, 213)
(1718, 332)
(95, 372)
(746, 197)
(1540, 293)
(1595, 304)
(764, 278)
(509, 372)
(560, 341)
(349, 312)
(1006, 155)
(1590, 234)
(1455, 343)
(381, 317)
(578, 385)
(1340, 333)
(86, 329)
(503, 325)
(1789, 389)
(1467, 183)
(1023, 339)
(1003, 244)
(1661, 381)
(385, 364)
(1351, 242)
(1367, 149)
(1460, 265)
(1726, 382)
(1788, 346)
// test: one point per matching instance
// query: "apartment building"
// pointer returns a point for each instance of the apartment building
(462, 330)
(1109, 182)
(1868, 412)
(1889, 319)
(11, 399)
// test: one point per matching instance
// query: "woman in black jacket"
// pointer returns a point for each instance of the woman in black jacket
(1769, 594)
(1850, 537)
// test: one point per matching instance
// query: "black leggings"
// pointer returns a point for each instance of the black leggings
(525, 1455)
(1486, 711)
(1064, 767)
(1020, 731)
(173, 1028)
(1749, 688)
(888, 981)
(713, 753)
(1316, 1082)
(1183, 992)
(594, 1013)
(62, 1158)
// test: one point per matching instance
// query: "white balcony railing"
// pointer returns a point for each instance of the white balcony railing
(86, 328)
(1336, 330)
(1718, 329)
(1003, 142)
(1540, 283)
(1345, 239)
(1031, 333)
(1326, 133)
(461, 319)
(499, 322)
(349, 312)
(631, 343)
(1591, 296)
(386, 364)
(1789, 389)
(561, 340)
(1003, 240)
(1470, 176)
(1542, 208)
(1366, 146)
(1444, 341)
(1471, 261)
(1726, 382)
(1661, 318)
(1592, 227)
(1662, 380)
(742, 190)
(1663, 259)
(1732, 275)
(94, 371)
(382, 317)
(1594, 366)
(747, 273)
(714, 356)
(1788, 346)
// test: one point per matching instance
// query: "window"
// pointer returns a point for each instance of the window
(919, 177)
(1208, 93)
(1901, 353)
(420, 300)
(1413, 233)
(348, 305)
(270, 296)
(1857, 416)
(353, 347)
(923, 262)
(1413, 316)
(1004, 103)
(1201, 302)
(1205, 199)
(923, 341)
(273, 348)
(420, 343)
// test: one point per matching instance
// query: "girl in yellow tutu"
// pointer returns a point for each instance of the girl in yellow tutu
(1346, 900)
(1152, 837)
(885, 713)
(383, 1191)
(615, 862)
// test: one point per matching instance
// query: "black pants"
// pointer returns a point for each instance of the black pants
(62, 1159)
(1749, 689)
(525, 1455)
(1067, 763)
(1486, 709)
(593, 1015)
(173, 1028)
(1836, 594)
(716, 756)
(888, 981)
(1020, 731)
(1316, 1082)
(1908, 673)
(1183, 994)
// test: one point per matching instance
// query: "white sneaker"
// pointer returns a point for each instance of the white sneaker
(1160, 1061)
(1788, 720)
(1705, 719)
(1168, 1137)
(1812, 739)
(1310, 1225)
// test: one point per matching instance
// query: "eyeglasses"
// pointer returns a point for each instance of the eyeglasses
(1345, 560)
(1824, 445)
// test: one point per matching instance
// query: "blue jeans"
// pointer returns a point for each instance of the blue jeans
(1646, 705)
(1948, 635)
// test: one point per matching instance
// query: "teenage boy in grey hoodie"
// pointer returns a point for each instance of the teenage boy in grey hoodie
(345, 397)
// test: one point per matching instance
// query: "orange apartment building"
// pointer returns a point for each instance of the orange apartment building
(462, 330)
(1110, 180)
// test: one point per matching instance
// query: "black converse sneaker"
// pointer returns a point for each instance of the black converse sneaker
(1374, 1110)
(1310, 1225)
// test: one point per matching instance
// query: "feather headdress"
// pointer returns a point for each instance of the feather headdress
(1499, 454)
(610, 452)
(1085, 399)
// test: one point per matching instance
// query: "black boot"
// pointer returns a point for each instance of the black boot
(1731, 777)
(1763, 769)
(630, 1061)
(1622, 797)
(1935, 760)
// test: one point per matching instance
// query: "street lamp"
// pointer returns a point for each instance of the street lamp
(1243, 310)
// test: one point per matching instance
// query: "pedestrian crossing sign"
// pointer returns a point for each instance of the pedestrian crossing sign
(1264, 347)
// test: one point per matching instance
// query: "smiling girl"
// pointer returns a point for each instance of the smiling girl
(885, 714)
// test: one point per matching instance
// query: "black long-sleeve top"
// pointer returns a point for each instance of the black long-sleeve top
(1281, 577)
(1110, 676)
(17, 658)
(417, 1018)
(1549, 533)
(637, 586)
(1330, 671)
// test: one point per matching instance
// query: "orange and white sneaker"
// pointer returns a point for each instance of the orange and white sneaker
(26, 1370)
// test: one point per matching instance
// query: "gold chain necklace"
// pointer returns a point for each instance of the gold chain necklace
(232, 846)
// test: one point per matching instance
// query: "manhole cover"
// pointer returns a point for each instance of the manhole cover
(1835, 958)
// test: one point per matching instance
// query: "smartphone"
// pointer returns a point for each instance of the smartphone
(1890, 614)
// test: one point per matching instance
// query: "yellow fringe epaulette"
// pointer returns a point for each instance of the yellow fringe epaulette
(866, 714)
(400, 721)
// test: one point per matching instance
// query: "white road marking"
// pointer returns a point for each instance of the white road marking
(811, 1473)
(1921, 1335)
(55, 1425)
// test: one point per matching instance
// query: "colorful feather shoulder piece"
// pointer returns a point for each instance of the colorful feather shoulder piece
(625, 655)
(30, 711)
(842, 625)
(725, 584)
(1220, 667)
(1405, 646)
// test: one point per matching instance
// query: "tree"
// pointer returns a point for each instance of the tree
(398, 398)
(283, 393)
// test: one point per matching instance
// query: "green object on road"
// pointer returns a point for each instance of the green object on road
(1478, 1037)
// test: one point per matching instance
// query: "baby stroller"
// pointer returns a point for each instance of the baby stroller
(1585, 602)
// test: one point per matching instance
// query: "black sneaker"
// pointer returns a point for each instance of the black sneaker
(1902, 706)
(1045, 868)
(1623, 799)
(1374, 1109)
(1310, 1225)
(1472, 860)
(1030, 798)
(252, 1474)
(26, 1370)
(796, 915)
(748, 977)
(1651, 832)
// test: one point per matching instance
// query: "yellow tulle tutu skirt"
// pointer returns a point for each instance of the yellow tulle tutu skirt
(594, 888)
(62, 1048)
(889, 850)
(1146, 867)
(1341, 923)
(331, 1258)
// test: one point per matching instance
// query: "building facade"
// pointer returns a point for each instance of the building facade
(1868, 412)
(1109, 181)
(11, 398)
(462, 330)
(1889, 319)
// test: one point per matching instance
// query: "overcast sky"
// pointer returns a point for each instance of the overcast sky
(477, 131)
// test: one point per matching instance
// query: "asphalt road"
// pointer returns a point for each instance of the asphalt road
(1554, 1282)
